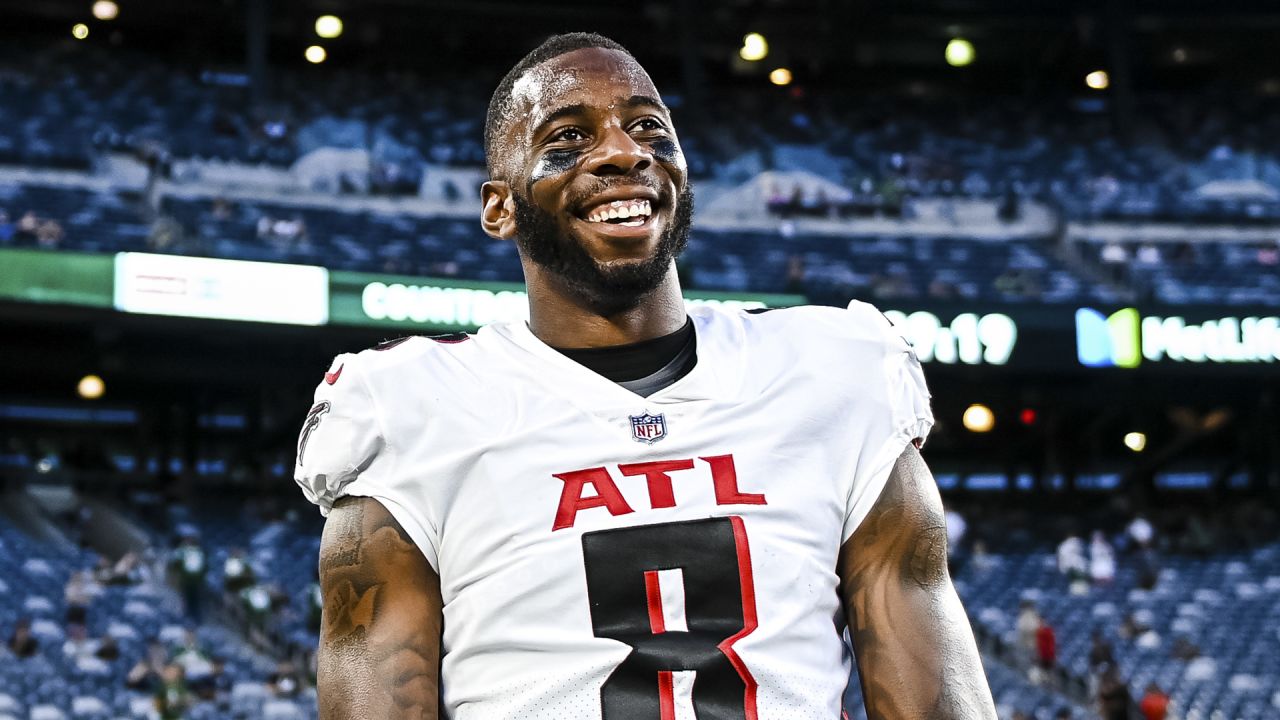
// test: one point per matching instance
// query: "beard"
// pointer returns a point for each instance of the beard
(604, 289)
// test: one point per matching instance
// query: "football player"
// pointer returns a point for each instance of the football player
(627, 508)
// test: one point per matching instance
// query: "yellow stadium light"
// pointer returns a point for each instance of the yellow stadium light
(79, 31)
(328, 26)
(754, 47)
(979, 418)
(105, 10)
(1135, 441)
(91, 387)
(780, 76)
(316, 54)
(959, 52)
(1098, 80)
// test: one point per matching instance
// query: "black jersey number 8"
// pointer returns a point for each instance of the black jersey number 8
(719, 597)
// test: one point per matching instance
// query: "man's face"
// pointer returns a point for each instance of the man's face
(597, 177)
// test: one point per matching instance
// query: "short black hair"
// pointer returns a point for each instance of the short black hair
(552, 47)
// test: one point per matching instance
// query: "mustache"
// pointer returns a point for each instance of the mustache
(578, 197)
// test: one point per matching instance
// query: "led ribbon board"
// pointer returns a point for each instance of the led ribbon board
(1126, 339)
(968, 338)
(221, 289)
(365, 299)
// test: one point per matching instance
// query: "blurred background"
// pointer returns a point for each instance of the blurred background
(1072, 209)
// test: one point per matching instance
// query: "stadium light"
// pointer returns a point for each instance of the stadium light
(754, 47)
(105, 10)
(978, 418)
(780, 76)
(91, 387)
(959, 52)
(1098, 80)
(1135, 441)
(79, 31)
(316, 54)
(328, 26)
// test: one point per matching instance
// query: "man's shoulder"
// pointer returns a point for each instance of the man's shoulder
(409, 354)
(809, 325)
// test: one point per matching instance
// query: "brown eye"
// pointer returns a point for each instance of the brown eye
(648, 124)
(569, 135)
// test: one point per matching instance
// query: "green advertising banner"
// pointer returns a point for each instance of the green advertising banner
(67, 278)
(440, 304)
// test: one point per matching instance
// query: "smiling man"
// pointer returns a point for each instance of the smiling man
(624, 509)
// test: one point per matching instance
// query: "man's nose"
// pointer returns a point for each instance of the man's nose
(619, 154)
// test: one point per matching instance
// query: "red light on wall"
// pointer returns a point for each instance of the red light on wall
(1027, 416)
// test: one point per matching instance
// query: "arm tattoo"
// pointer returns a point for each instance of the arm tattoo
(916, 654)
(381, 623)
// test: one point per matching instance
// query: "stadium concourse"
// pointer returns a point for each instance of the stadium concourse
(1092, 280)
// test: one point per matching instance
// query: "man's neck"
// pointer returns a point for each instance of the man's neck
(561, 321)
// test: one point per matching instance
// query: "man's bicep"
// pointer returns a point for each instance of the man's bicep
(380, 632)
(915, 650)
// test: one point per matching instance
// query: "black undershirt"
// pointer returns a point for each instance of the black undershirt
(645, 367)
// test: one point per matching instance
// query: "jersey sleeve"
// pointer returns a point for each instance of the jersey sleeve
(340, 438)
(902, 413)
(343, 450)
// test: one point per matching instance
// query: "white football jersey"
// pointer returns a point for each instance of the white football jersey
(607, 556)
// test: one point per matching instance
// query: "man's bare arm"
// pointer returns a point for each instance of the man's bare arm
(916, 653)
(380, 631)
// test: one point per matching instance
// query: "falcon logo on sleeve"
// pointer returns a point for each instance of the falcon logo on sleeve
(314, 416)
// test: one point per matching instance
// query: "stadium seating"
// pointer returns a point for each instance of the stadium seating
(53, 686)
(1225, 606)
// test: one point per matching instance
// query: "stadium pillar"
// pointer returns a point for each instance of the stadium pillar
(256, 29)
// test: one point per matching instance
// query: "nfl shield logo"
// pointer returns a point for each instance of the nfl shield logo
(648, 428)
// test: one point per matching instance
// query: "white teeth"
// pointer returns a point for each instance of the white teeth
(621, 210)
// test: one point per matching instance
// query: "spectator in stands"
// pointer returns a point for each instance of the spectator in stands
(1140, 531)
(1062, 714)
(1102, 560)
(315, 604)
(1072, 563)
(1148, 255)
(1027, 624)
(189, 562)
(172, 697)
(795, 275)
(49, 235)
(146, 674)
(257, 605)
(22, 643)
(108, 650)
(216, 686)
(1154, 704)
(79, 593)
(166, 235)
(25, 232)
(1113, 695)
(192, 657)
(236, 572)
(1046, 646)
(284, 682)
(1131, 627)
(1115, 257)
(78, 645)
(1100, 652)
(956, 528)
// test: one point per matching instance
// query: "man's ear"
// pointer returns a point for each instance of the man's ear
(498, 211)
